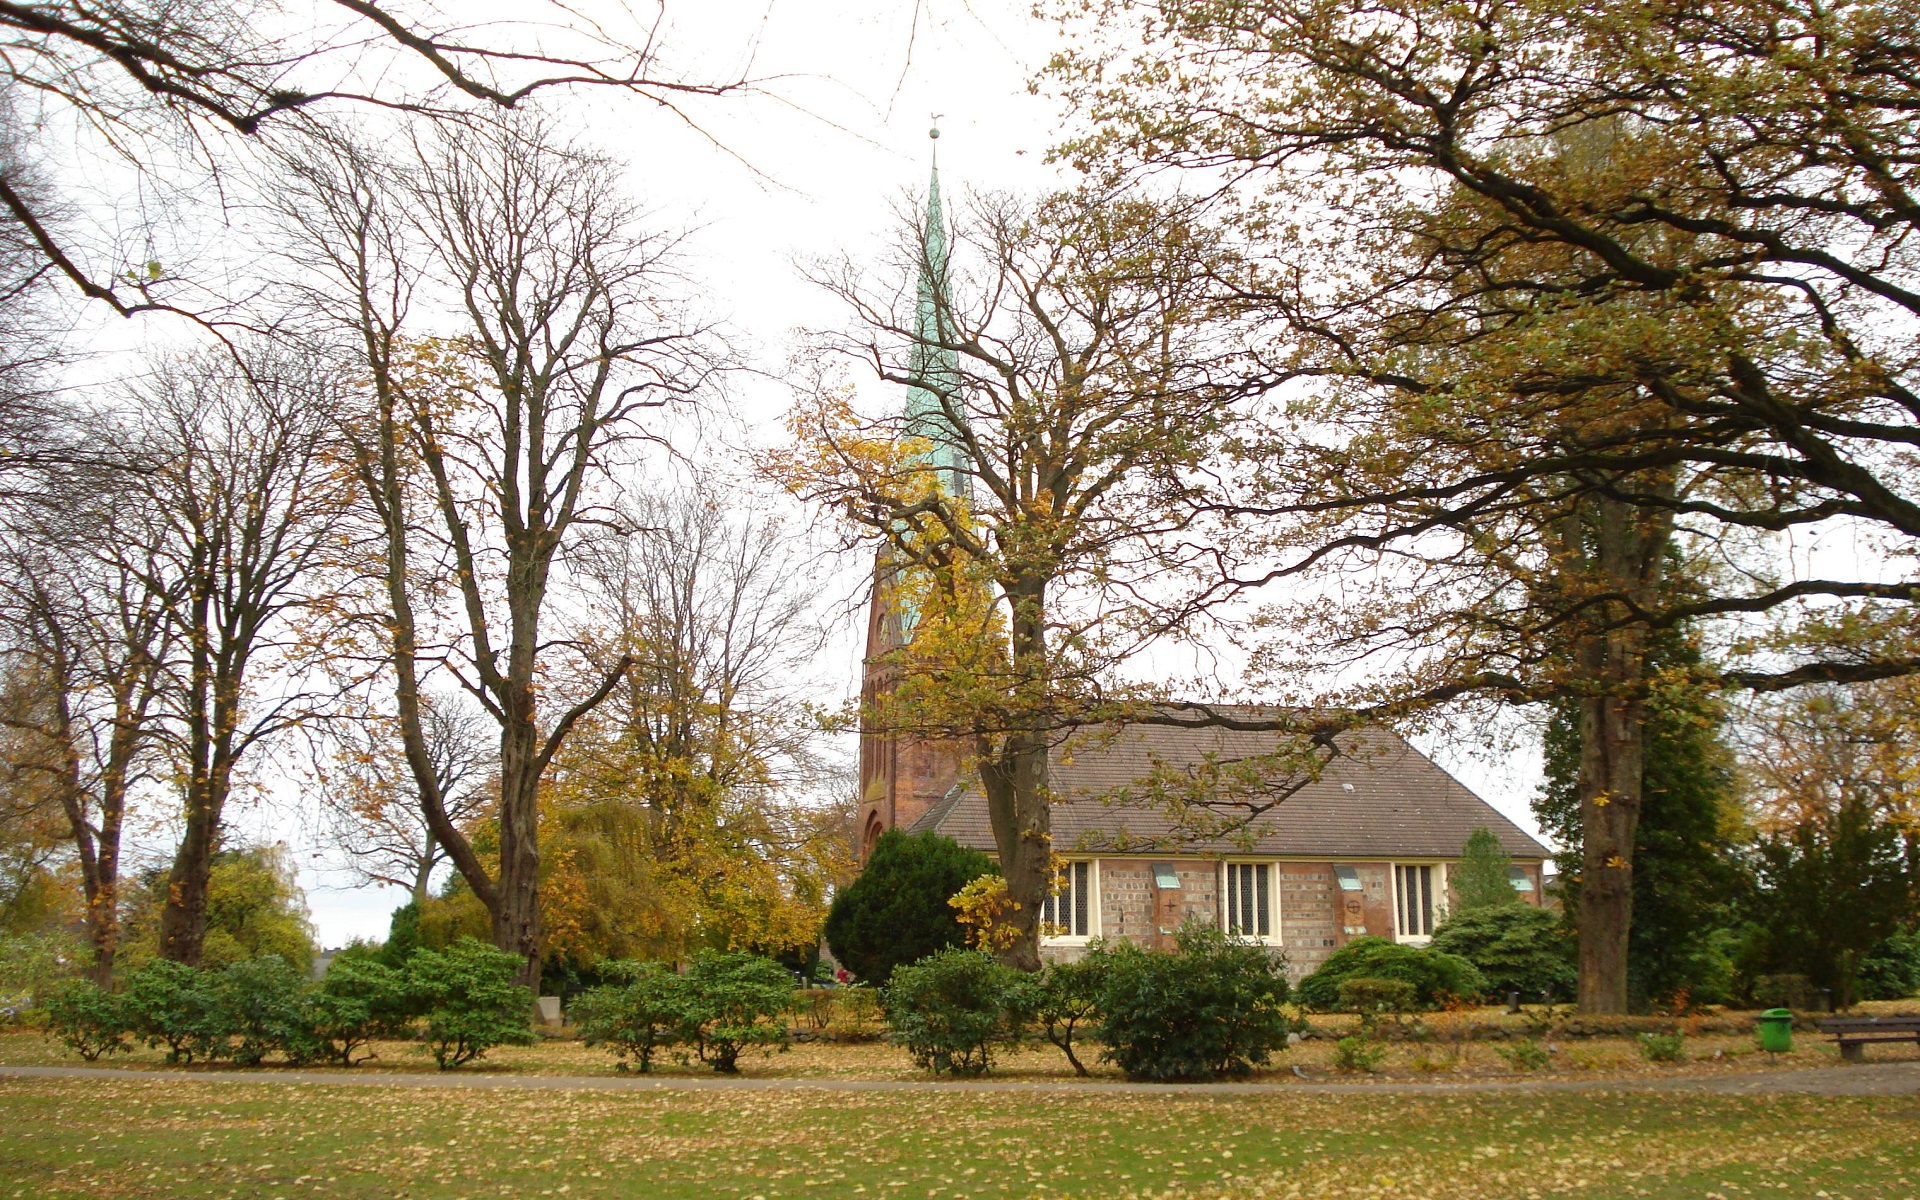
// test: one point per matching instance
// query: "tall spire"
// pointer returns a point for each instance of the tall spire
(935, 368)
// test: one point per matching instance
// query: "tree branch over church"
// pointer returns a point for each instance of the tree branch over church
(1579, 297)
(1039, 503)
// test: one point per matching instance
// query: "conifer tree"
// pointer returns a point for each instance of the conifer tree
(1482, 879)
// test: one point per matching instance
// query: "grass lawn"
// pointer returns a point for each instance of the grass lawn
(154, 1138)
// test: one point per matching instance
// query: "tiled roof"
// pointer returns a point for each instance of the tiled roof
(1380, 799)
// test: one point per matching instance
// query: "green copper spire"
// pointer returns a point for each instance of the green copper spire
(934, 368)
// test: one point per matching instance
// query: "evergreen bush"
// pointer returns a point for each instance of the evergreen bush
(264, 1004)
(1891, 970)
(896, 911)
(1517, 947)
(469, 1000)
(732, 1001)
(360, 999)
(1527, 1054)
(184, 1009)
(953, 1007)
(91, 1022)
(1367, 995)
(1664, 1047)
(1211, 1008)
(643, 1013)
(1435, 976)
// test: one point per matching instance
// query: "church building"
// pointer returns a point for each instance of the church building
(1363, 849)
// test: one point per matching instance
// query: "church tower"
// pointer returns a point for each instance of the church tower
(903, 775)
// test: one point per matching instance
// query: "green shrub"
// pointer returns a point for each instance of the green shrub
(731, 1001)
(360, 999)
(471, 1004)
(1664, 1047)
(90, 1021)
(1357, 1053)
(1517, 947)
(896, 911)
(633, 1018)
(1210, 1008)
(952, 1008)
(1526, 1055)
(1435, 976)
(1891, 970)
(1365, 994)
(1066, 996)
(265, 1006)
(173, 1005)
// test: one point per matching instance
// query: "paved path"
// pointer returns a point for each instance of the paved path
(1870, 1079)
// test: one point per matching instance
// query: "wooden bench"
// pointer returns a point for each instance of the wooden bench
(1853, 1033)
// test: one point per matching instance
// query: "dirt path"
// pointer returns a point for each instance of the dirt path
(1871, 1079)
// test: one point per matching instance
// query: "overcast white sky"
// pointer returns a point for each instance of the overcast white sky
(815, 167)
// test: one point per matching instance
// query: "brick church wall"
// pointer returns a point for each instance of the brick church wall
(1126, 899)
(1308, 916)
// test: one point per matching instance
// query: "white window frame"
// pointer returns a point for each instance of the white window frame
(1437, 901)
(1093, 906)
(1275, 917)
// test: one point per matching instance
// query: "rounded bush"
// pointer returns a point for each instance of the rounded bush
(1435, 975)
(1365, 994)
(90, 1021)
(731, 1001)
(643, 1013)
(952, 1008)
(361, 998)
(266, 1004)
(180, 1007)
(470, 1000)
(1517, 947)
(1211, 1008)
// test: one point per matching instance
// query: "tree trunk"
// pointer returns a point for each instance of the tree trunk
(1613, 738)
(423, 874)
(1015, 782)
(183, 921)
(1015, 779)
(183, 918)
(1622, 550)
(516, 917)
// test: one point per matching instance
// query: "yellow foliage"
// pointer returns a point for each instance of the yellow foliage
(986, 910)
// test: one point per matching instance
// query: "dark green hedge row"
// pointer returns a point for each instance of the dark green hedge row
(462, 1001)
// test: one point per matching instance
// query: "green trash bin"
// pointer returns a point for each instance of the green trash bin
(1776, 1030)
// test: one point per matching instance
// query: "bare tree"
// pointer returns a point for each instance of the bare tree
(140, 79)
(93, 637)
(30, 334)
(228, 510)
(700, 791)
(482, 453)
(374, 808)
